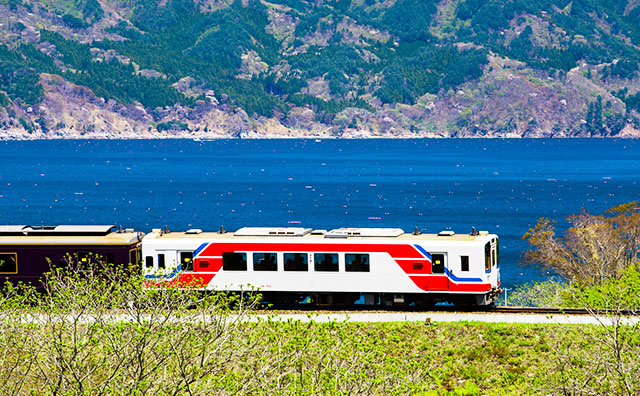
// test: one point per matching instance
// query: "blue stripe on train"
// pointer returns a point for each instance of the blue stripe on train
(456, 279)
(173, 274)
(200, 249)
(424, 252)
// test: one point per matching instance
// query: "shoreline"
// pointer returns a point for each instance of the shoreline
(303, 137)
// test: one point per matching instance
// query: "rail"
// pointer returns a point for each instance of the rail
(454, 309)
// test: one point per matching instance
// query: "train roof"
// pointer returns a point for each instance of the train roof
(295, 233)
(66, 235)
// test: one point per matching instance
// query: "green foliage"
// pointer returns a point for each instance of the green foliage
(549, 293)
(17, 79)
(111, 79)
(74, 22)
(309, 21)
(317, 61)
(619, 294)
(334, 63)
(287, 85)
(409, 19)
(4, 100)
(427, 70)
(73, 53)
(93, 10)
(165, 126)
(603, 123)
(494, 15)
(26, 125)
(632, 101)
(623, 68)
(594, 123)
(330, 107)
(180, 41)
(487, 18)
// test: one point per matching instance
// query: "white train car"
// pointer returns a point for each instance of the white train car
(338, 267)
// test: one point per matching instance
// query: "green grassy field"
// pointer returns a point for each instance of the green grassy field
(228, 357)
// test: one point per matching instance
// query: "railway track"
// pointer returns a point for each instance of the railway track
(562, 311)
(450, 309)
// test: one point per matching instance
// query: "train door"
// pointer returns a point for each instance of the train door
(491, 257)
(439, 278)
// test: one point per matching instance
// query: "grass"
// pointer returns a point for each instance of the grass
(364, 358)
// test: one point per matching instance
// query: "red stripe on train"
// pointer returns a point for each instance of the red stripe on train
(414, 266)
(442, 282)
(395, 250)
(183, 280)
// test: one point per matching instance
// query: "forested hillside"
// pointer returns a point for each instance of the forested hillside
(323, 68)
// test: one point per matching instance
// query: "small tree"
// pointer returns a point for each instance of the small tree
(593, 249)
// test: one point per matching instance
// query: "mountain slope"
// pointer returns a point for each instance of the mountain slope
(343, 68)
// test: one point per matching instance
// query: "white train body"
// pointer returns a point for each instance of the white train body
(377, 264)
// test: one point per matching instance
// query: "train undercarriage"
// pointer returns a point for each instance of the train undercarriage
(361, 300)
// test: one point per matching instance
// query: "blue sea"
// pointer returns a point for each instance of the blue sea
(502, 186)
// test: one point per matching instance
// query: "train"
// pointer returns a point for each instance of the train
(286, 265)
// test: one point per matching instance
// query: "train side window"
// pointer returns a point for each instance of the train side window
(234, 261)
(437, 263)
(265, 262)
(110, 258)
(356, 262)
(161, 264)
(8, 263)
(186, 261)
(464, 263)
(487, 256)
(148, 261)
(497, 252)
(325, 262)
(296, 262)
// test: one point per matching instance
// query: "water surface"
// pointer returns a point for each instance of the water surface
(502, 186)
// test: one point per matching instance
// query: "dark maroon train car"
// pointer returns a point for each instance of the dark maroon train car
(26, 251)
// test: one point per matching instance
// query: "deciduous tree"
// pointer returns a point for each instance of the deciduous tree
(595, 248)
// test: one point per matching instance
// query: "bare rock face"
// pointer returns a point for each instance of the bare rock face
(630, 132)
(282, 25)
(251, 65)
(74, 111)
(300, 117)
(150, 73)
(101, 55)
(318, 87)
